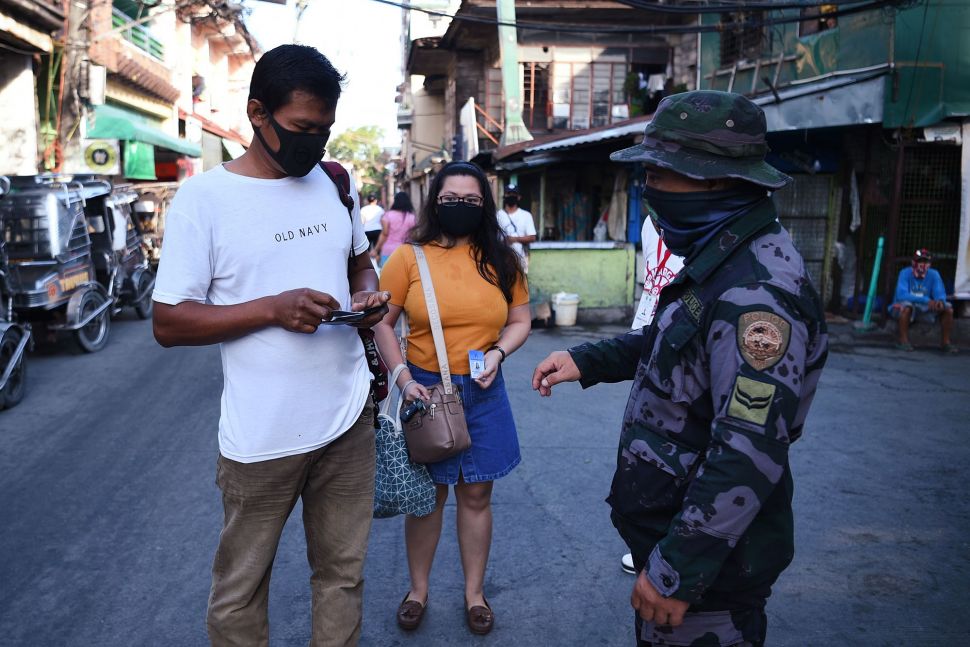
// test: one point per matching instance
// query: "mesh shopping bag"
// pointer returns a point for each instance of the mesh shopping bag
(400, 486)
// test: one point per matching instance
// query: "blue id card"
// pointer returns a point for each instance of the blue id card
(476, 360)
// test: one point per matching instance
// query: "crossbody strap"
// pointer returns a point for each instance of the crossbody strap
(435, 317)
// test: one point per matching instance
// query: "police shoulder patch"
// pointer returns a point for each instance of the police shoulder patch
(762, 338)
(751, 400)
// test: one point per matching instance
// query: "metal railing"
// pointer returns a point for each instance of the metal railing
(137, 34)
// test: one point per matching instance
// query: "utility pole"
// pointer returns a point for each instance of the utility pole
(508, 45)
(73, 80)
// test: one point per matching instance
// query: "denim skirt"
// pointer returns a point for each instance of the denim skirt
(495, 443)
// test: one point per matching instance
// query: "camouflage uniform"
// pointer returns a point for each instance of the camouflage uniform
(722, 384)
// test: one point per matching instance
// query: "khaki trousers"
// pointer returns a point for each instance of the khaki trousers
(336, 484)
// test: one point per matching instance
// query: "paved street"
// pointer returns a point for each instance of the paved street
(110, 514)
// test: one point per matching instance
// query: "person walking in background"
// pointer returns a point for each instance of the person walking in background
(396, 223)
(920, 296)
(256, 256)
(660, 267)
(722, 381)
(483, 302)
(518, 225)
(371, 215)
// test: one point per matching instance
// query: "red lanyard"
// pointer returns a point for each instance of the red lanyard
(660, 247)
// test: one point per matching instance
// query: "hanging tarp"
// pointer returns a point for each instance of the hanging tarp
(139, 161)
(114, 122)
(931, 60)
(961, 283)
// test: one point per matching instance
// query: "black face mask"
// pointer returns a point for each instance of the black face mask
(511, 202)
(298, 153)
(690, 220)
(459, 220)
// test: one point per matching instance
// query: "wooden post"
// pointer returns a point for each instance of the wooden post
(895, 208)
(754, 77)
(781, 59)
(542, 204)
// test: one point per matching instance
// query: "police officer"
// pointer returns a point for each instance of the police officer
(722, 381)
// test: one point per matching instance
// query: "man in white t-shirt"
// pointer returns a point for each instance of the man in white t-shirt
(371, 215)
(660, 268)
(258, 253)
(519, 228)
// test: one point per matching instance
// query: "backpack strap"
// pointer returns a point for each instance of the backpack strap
(339, 176)
(341, 179)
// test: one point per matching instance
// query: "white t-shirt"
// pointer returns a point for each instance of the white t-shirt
(516, 224)
(230, 239)
(371, 215)
(661, 268)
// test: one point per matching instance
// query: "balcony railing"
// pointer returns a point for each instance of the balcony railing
(137, 35)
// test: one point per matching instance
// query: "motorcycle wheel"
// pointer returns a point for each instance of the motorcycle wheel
(144, 307)
(94, 336)
(13, 391)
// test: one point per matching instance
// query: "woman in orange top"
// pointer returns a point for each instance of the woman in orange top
(483, 302)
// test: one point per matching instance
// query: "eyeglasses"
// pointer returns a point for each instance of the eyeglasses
(454, 200)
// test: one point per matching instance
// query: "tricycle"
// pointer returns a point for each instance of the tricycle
(14, 336)
(75, 255)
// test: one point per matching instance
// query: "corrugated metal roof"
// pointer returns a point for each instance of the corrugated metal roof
(846, 100)
(615, 132)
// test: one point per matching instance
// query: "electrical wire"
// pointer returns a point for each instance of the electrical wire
(729, 7)
(646, 29)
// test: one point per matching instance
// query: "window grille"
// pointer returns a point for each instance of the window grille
(744, 42)
(929, 215)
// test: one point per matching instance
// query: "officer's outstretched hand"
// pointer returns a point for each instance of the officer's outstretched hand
(653, 607)
(558, 367)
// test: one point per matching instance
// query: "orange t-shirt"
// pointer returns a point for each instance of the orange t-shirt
(473, 311)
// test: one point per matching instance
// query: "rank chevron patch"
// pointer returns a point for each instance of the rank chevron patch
(751, 400)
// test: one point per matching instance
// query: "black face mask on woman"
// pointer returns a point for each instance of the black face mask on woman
(298, 153)
(460, 219)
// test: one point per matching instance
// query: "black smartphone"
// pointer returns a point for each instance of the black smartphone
(338, 317)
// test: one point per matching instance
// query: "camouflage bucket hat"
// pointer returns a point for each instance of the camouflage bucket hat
(707, 135)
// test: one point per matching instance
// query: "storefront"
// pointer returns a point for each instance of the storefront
(587, 216)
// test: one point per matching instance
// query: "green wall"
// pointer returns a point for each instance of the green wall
(929, 43)
(603, 278)
(934, 70)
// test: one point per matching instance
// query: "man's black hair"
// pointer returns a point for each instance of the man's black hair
(284, 69)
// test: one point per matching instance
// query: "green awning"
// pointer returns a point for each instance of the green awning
(139, 161)
(112, 122)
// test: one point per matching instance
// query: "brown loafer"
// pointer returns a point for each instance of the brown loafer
(480, 619)
(410, 613)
